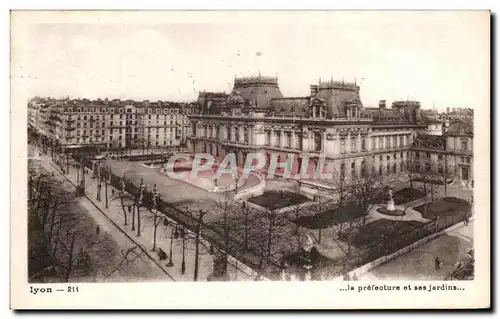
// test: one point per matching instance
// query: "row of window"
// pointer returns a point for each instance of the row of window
(97, 140)
(390, 142)
(428, 168)
(231, 135)
(288, 140)
(120, 131)
(128, 117)
(123, 110)
(390, 168)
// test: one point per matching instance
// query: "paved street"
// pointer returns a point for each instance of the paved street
(138, 268)
(115, 213)
(418, 264)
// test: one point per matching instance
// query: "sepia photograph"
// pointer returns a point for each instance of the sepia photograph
(232, 148)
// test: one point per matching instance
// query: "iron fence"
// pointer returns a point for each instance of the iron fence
(251, 257)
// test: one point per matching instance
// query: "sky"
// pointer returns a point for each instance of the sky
(441, 60)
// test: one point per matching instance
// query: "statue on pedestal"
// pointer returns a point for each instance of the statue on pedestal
(390, 203)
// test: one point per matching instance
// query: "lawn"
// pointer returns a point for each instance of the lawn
(448, 206)
(402, 196)
(380, 230)
(278, 199)
(330, 217)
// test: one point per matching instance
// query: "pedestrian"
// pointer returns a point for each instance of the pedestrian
(437, 264)
(466, 220)
(162, 255)
(113, 192)
(97, 230)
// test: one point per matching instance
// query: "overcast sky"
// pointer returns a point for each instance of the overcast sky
(439, 59)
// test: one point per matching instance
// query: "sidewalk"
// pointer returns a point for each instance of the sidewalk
(418, 264)
(115, 213)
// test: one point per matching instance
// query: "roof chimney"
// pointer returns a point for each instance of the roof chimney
(381, 104)
(314, 90)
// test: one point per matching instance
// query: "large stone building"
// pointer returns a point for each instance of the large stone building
(111, 125)
(331, 123)
(450, 154)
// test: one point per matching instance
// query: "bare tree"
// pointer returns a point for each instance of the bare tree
(412, 173)
(445, 175)
(156, 214)
(126, 200)
(299, 232)
(127, 256)
(64, 243)
(367, 189)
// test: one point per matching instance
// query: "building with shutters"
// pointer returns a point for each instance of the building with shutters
(329, 124)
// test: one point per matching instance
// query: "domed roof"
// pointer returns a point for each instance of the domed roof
(260, 89)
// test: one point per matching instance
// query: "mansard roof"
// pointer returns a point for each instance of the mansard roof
(290, 106)
(430, 142)
(460, 128)
(384, 115)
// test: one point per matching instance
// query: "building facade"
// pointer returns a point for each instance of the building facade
(450, 155)
(330, 125)
(111, 125)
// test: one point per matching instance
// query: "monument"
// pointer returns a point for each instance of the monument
(390, 203)
(390, 208)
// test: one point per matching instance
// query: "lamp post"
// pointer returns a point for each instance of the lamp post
(99, 180)
(99, 186)
(139, 203)
(155, 221)
(172, 235)
(106, 186)
(78, 175)
(183, 265)
(198, 234)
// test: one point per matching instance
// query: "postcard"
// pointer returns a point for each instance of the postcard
(250, 160)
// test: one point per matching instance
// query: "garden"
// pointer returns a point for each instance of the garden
(401, 196)
(278, 199)
(331, 217)
(379, 231)
(447, 206)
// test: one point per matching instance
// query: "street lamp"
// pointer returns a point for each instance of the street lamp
(139, 203)
(183, 265)
(172, 235)
(198, 235)
(156, 195)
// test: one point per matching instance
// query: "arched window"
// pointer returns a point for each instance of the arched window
(363, 169)
(465, 145)
(342, 171)
(353, 170)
